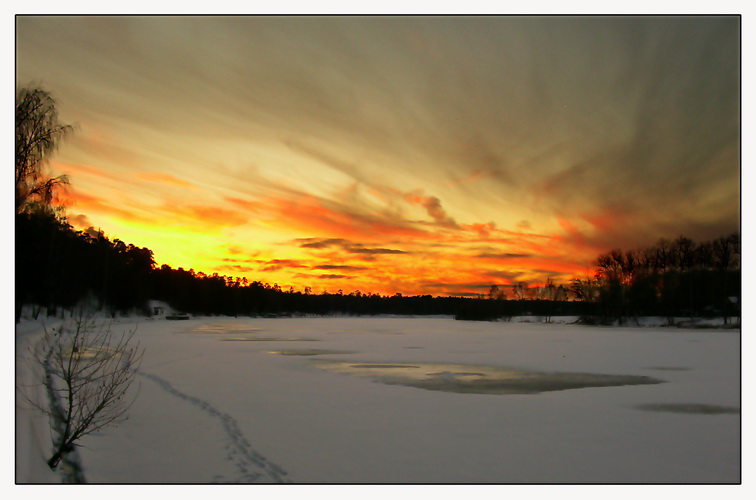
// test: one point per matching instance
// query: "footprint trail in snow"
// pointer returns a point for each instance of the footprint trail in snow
(253, 466)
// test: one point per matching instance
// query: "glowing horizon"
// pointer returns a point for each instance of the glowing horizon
(413, 155)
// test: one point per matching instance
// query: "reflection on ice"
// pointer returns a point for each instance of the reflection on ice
(373, 366)
(693, 408)
(478, 379)
(268, 339)
(307, 352)
(223, 328)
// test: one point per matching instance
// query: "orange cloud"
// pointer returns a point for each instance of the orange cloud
(83, 169)
(192, 215)
(79, 220)
(573, 233)
(484, 230)
(331, 267)
(88, 203)
(347, 246)
(310, 214)
(252, 206)
(278, 264)
(235, 268)
(591, 234)
(206, 215)
(538, 263)
(432, 206)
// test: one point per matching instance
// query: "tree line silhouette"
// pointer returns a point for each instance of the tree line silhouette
(672, 279)
(58, 267)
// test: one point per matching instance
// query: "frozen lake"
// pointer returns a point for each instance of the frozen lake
(424, 400)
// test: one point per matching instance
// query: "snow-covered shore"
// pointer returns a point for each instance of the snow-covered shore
(248, 400)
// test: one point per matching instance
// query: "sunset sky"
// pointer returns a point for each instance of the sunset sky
(421, 155)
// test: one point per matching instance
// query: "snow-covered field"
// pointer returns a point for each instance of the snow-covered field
(411, 400)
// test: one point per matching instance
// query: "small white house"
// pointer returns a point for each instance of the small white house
(158, 309)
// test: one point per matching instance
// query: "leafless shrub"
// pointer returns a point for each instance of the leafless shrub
(88, 371)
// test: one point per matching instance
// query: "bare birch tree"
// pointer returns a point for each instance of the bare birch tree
(88, 372)
(38, 133)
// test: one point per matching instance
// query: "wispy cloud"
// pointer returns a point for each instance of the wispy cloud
(79, 201)
(278, 264)
(331, 267)
(360, 249)
(346, 245)
(251, 205)
(328, 277)
(164, 178)
(502, 256)
(322, 243)
(319, 216)
(432, 206)
(236, 268)
(204, 216)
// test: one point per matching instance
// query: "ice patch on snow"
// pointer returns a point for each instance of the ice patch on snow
(479, 379)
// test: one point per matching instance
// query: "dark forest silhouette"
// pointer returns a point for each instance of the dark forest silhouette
(59, 268)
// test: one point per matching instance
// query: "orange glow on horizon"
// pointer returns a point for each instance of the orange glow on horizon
(373, 254)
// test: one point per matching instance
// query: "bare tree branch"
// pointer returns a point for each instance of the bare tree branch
(88, 373)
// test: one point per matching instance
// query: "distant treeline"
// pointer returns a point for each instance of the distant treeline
(58, 268)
